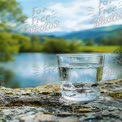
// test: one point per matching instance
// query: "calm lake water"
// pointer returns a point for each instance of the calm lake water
(34, 69)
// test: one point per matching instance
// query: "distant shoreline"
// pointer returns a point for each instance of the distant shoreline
(85, 49)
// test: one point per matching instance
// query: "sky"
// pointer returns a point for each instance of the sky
(71, 15)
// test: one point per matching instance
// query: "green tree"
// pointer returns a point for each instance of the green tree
(115, 39)
(90, 42)
(11, 44)
(11, 14)
(75, 46)
(59, 45)
(8, 46)
(23, 41)
(56, 46)
(34, 38)
(111, 41)
(36, 45)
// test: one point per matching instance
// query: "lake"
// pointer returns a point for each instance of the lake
(35, 69)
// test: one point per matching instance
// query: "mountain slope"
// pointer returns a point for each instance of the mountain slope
(97, 34)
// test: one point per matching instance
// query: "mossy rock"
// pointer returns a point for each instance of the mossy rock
(117, 95)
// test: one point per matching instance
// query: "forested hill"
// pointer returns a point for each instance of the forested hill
(98, 34)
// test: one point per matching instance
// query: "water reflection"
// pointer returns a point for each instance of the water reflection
(113, 67)
(34, 69)
(6, 78)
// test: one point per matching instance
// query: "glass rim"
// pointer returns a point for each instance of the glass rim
(80, 55)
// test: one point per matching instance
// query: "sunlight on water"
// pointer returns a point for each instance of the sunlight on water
(34, 69)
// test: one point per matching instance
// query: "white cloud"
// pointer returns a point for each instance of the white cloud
(74, 15)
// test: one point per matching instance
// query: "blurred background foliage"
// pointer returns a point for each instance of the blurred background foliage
(12, 42)
(10, 12)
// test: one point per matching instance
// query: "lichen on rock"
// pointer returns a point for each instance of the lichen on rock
(42, 104)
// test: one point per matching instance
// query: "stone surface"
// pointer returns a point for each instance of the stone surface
(42, 104)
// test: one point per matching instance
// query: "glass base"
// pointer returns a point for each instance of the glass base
(79, 101)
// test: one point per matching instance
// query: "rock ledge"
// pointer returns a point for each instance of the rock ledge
(42, 104)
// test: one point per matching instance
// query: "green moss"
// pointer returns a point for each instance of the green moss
(117, 95)
(9, 92)
(3, 118)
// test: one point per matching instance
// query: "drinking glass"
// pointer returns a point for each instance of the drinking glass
(80, 75)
